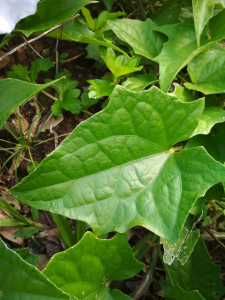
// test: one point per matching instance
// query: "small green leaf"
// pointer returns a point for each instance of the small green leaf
(14, 92)
(202, 12)
(209, 118)
(182, 94)
(27, 256)
(140, 81)
(25, 280)
(86, 101)
(87, 15)
(104, 16)
(50, 13)
(35, 214)
(56, 108)
(77, 31)
(19, 72)
(177, 293)
(91, 265)
(40, 64)
(13, 212)
(198, 274)
(108, 4)
(207, 71)
(119, 65)
(139, 35)
(7, 222)
(183, 248)
(26, 232)
(71, 102)
(125, 172)
(100, 87)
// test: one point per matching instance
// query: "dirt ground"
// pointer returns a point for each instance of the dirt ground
(46, 244)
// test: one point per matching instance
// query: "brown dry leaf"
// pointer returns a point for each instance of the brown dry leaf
(42, 261)
(8, 198)
(14, 123)
(8, 233)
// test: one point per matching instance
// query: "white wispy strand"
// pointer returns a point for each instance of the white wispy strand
(12, 11)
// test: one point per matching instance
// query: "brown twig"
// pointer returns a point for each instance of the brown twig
(38, 37)
(214, 237)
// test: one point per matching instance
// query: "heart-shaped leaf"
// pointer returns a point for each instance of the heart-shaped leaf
(118, 169)
(19, 279)
(91, 265)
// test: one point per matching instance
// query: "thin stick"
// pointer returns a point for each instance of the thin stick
(214, 237)
(73, 58)
(32, 48)
(14, 153)
(38, 37)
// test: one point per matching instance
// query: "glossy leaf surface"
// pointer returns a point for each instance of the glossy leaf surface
(210, 116)
(14, 92)
(207, 71)
(91, 265)
(199, 273)
(50, 13)
(116, 169)
(28, 282)
(139, 35)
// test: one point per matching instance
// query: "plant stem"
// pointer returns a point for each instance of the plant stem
(179, 76)
(49, 95)
(81, 229)
(87, 112)
(65, 229)
(15, 153)
(142, 10)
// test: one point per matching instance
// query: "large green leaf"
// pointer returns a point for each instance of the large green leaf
(203, 11)
(91, 265)
(207, 71)
(210, 116)
(118, 169)
(198, 274)
(139, 35)
(19, 280)
(50, 13)
(77, 31)
(14, 92)
(178, 293)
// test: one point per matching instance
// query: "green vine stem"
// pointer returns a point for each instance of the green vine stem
(81, 229)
